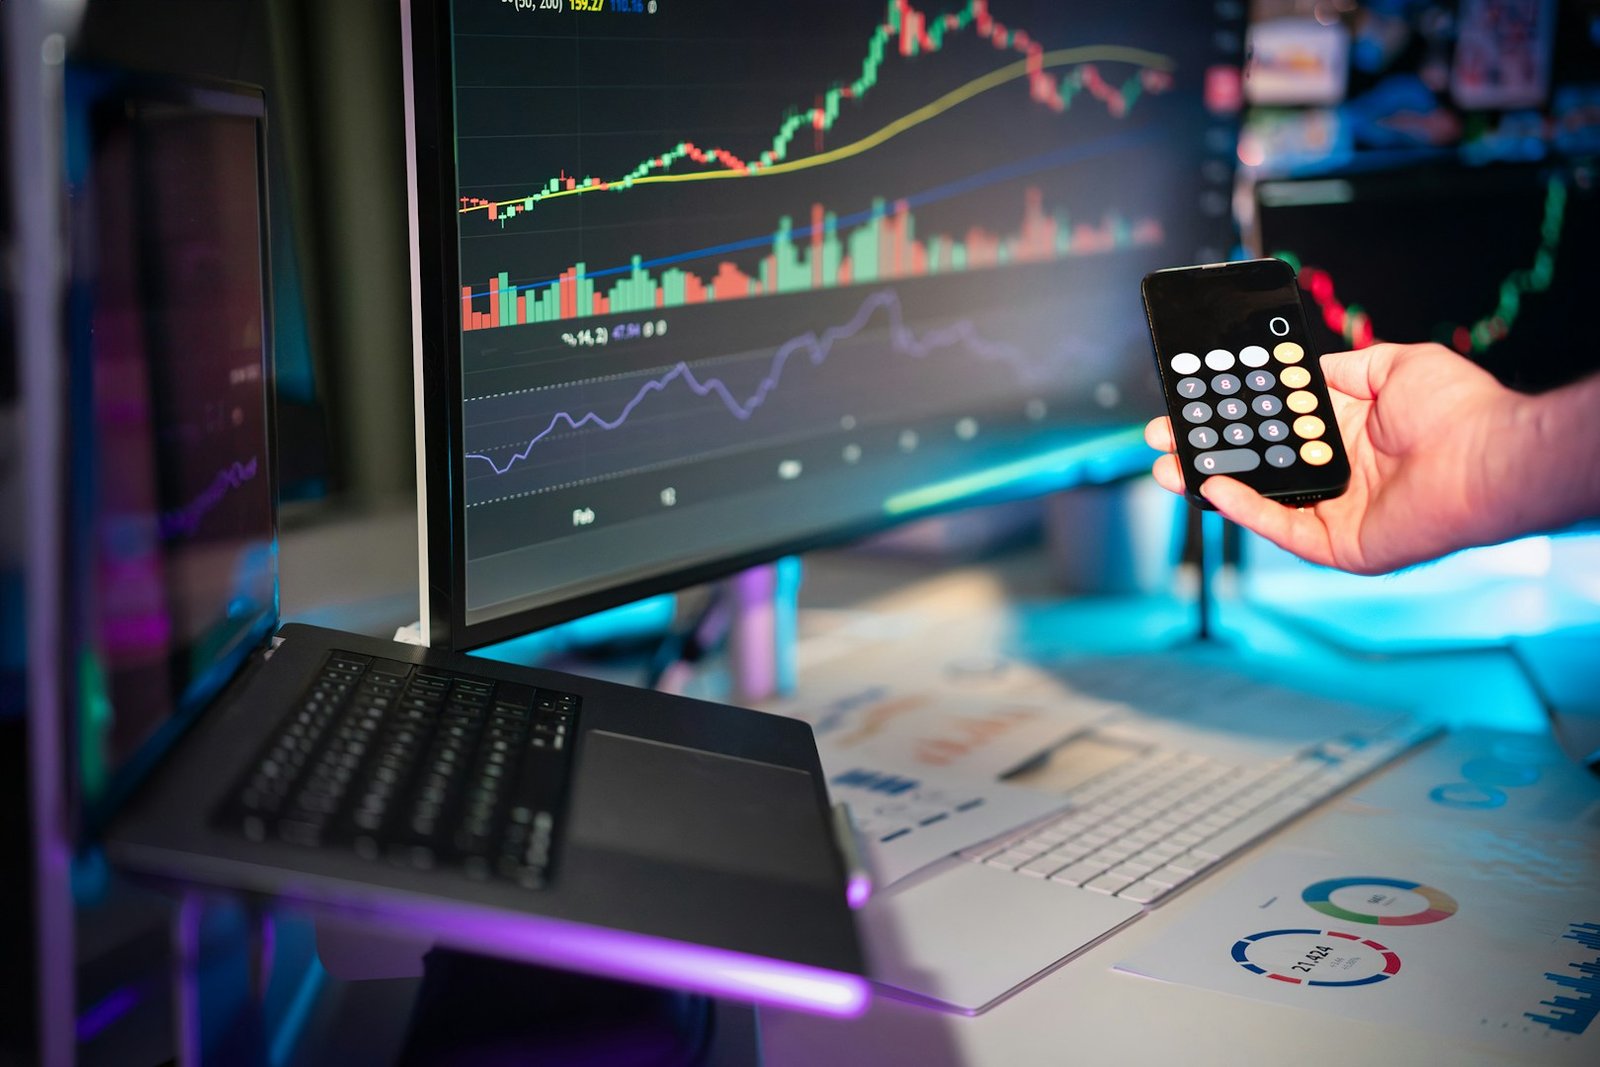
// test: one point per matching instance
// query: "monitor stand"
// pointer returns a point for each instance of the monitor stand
(472, 1009)
(763, 635)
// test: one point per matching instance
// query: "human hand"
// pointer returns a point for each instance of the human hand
(1435, 445)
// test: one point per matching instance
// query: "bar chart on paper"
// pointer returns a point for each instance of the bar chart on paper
(1574, 999)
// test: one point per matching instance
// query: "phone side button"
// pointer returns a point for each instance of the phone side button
(1227, 461)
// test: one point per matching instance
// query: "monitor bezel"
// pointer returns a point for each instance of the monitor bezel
(427, 65)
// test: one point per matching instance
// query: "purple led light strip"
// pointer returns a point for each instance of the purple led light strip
(903, 338)
(185, 520)
(626, 955)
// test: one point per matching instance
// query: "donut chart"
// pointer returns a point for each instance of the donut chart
(1326, 958)
(1381, 901)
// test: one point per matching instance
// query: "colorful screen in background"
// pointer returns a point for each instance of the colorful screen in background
(1341, 84)
(172, 475)
(736, 276)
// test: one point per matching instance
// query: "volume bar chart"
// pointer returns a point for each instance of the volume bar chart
(807, 259)
(1573, 1011)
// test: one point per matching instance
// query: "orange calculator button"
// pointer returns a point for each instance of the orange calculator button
(1316, 453)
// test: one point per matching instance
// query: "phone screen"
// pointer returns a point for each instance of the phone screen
(1242, 384)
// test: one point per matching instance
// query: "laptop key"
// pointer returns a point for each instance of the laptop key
(418, 766)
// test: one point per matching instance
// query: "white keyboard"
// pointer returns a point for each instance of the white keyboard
(1157, 820)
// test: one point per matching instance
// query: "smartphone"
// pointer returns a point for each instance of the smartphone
(1242, 384)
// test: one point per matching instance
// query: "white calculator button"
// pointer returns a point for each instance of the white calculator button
(1253, 356)
(1219, 359)
(1185, 363)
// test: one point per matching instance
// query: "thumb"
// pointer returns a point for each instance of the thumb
(1350, 373)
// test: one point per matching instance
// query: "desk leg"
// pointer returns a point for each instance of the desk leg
(186, 977)
(219, 983)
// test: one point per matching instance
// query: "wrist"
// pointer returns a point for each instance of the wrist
(1549, 476)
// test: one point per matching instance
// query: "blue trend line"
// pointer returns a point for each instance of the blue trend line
(902, 338)
(1005, 172)
(186, 520)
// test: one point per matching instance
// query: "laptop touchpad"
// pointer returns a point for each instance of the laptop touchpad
(701, 808)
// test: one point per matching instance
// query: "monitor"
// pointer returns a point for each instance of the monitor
(702, 283)
(172, 553)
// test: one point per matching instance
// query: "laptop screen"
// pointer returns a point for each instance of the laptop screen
(171, 478)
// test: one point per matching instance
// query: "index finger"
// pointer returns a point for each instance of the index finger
(1158, 434)
(1295, 530)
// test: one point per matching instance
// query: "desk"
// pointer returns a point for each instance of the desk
(1086, 1012)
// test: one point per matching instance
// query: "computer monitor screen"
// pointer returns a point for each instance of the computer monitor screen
(703, 282)
(173, 559)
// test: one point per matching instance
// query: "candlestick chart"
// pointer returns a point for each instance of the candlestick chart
(715, 249)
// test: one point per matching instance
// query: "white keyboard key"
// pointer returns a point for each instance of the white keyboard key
(1108, 884)
(1189, 864)
(1010, 859)
(1162, 851)
(1070, 853)
(1166, 876)
(1143, 838)
(1133, 869)
(1117, 851)
(1144, 891)
(1043, 867)
(1078, 873)
(1242, 833)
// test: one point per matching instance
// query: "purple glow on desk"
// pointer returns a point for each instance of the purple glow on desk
(635, 957)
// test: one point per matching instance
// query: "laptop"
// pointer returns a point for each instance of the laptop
(517, 812)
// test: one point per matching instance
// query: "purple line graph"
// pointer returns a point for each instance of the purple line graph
(816, 347)
(184, 521)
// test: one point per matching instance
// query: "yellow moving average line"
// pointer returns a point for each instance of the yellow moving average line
(1011, 72)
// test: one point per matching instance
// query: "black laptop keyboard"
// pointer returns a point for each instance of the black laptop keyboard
(415, 766)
